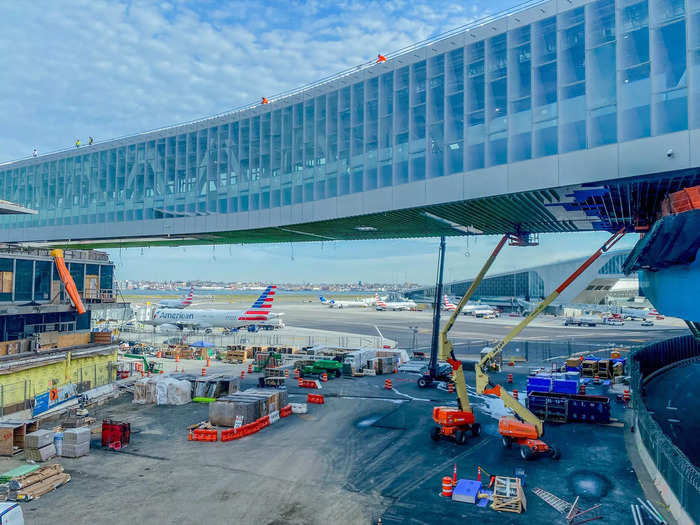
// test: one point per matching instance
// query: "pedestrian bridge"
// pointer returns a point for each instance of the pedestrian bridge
(560, 116)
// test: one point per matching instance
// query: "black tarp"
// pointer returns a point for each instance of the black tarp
(673, 240)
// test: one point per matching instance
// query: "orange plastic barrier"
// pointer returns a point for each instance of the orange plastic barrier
(307, 383)
(201, 434)
(285, 411)
(68, 282)
(315, 398)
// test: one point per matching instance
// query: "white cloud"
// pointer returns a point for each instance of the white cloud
(108, 69)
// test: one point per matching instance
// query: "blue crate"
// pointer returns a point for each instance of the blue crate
(565, 387)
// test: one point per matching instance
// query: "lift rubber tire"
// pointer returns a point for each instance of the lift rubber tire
(476, 429)
(507, 441)
(423, 382)
(337, 373)
(435, 433)
(554, 453)
(526, 453)
(461, 437)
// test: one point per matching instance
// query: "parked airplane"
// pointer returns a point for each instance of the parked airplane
(448, 305)
(394, 305)
(229, 319)
(332, 303)
(177, 303)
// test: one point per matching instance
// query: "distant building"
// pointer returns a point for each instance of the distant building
(602, 283)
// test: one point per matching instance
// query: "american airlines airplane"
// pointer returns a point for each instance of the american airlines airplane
(258, 312)
(448, 305)
(394, 305)
(177, 303)
(475, 309)
(332, 303)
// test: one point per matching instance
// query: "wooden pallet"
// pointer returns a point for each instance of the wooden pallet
(508, 495)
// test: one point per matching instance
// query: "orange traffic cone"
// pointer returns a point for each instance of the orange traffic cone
(250, 368)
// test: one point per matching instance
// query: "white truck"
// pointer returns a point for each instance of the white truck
(11, 513)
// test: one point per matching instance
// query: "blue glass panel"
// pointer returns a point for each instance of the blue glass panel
(455, 158)
(385, 175)
(669, 79)
(634, 103)
(418, 168)
(572, 118)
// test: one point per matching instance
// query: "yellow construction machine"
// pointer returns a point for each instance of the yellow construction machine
(522, 428)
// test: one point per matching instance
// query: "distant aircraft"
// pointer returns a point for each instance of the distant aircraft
(626, 313)
(332, 303)
(177, 303)
(448, 305)
(394, 305)
(229, 319)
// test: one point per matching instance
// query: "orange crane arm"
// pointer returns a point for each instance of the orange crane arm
(67, 280)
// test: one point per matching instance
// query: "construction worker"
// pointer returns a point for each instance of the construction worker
(264, 101)
(77, 143)
(90, 141)
(380, 58)
(35, 153)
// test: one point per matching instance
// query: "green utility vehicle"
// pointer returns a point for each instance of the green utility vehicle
(330, 366)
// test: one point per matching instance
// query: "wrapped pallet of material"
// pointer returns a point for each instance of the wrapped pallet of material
(272, 396)
(145, 391)
(224, 412)
(179, 392)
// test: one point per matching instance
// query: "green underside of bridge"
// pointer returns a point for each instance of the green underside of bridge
(494, 215)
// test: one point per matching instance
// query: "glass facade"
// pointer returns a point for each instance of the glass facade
(23, 280)
(610, 71)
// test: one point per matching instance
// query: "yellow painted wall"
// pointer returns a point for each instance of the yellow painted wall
(41, 378)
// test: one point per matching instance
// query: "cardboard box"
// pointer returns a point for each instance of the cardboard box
(75, 450)
(38, 439)
(40, 454)
(72, 436)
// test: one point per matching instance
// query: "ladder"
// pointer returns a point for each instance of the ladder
(549, 498)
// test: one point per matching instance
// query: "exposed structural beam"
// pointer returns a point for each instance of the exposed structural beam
(454, 225)
(325, 237)
(10, 208)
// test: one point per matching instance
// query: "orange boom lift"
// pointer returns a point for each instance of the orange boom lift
(523, 428)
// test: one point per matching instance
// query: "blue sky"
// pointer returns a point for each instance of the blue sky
(109, 69)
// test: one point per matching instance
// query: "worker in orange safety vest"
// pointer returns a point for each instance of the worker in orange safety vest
(380, 58)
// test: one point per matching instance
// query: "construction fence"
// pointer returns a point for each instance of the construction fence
(681, 475)
(265, 338)
(19, 395)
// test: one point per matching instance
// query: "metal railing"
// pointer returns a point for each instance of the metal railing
(306, 87)
(681, 475)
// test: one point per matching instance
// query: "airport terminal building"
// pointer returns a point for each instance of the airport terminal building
(606, 284)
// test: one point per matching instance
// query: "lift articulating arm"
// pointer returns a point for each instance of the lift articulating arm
(445, 351)
(483, 384)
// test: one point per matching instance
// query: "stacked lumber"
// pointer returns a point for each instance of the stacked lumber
(35, 484)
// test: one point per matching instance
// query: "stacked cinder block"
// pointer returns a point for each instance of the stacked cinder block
(76, 442)
(38, 446)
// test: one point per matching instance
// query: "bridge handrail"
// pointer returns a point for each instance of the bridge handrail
(305, 87)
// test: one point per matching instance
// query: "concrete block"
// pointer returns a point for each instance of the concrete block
(38, 439)
(76, 450)
(40, 454)
(72, 436)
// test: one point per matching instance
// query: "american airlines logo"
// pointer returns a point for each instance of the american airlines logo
(175, 315)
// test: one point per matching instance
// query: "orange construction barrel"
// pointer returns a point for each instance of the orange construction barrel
(447, 486)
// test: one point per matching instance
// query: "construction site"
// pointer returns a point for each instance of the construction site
(553, 379)
(354, 435)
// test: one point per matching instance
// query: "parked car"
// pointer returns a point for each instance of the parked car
(647, 323)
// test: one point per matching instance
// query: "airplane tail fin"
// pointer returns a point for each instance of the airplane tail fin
(323, 299)
(188, 300)
(261, 307)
